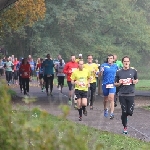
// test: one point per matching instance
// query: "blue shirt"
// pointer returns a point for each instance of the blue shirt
(109, 73)
(32, 65)
(48, 67)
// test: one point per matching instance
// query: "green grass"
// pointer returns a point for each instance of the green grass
(146, 107)
(143, 85)
(11, 92)
(93, 136)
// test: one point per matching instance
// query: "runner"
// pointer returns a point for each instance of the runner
(48, 74)
(81, 78)
(80, 58)
(120, 65)
(8, 67)
(32, 65)
(20, 74)
(41, 76)
(108, 72)
(93, 68)
(38, 63)
(25, 71)
(96, 61)
(68, 70)
(15, 79)
(60, 74)
(126, 79)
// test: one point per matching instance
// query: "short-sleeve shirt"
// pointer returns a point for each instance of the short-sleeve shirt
(127, 76)
(119, 64)
(92, 68)
(82, 77)
(109, 73)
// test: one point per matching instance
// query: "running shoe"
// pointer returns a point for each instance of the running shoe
(106, 113)
(85, 112)
(111, 116)
(75, 106)
(51, 94)
(125, 130)
(69, 102)
(80, 118)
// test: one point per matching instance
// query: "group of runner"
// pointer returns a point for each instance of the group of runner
(81, 79)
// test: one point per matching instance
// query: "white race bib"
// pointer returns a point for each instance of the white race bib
(48, 75)
(25, 73)
(127, 81)
(73, 69)
(109, 86)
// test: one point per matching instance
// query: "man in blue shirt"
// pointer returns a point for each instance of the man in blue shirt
(48, 73)
(108, 72)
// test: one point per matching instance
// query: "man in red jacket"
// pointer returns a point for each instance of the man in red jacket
(68, 69)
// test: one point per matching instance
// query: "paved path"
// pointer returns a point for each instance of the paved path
(138, 125)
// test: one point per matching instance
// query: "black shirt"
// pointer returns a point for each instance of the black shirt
(127, 77)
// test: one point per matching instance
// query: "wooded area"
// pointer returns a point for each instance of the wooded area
(68, 27)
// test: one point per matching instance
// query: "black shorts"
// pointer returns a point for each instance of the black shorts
(80, 94)
(61, 80)
(41, 76)
(93, 87)
(70, 85)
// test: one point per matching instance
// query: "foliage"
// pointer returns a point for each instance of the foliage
(22, 12)
(26, 129)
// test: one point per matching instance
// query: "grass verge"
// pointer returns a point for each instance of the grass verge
(146, 107)
(94, 137)
(143, 85)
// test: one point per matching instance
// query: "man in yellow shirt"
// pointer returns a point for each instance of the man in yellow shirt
(81, 78)
(93, 69)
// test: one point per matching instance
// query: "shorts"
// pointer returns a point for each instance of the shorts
(70, 85)
(61, 80)
(37, 73)
(93, 87)
(107, 91)
(80, 94)
(41, 76)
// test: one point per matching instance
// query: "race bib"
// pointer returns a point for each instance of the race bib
(48, 75)
(25, 73)
(109, 86)
(82, 83)
(73, 69)
(127, 81)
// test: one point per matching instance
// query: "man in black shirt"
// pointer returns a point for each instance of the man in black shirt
(125, 79)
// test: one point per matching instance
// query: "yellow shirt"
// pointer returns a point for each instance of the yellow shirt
(93, 68)
(82, 77)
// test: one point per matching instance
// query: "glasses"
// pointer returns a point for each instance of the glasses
(90, 58)
(126, 61)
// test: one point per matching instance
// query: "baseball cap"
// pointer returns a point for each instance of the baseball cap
(80, 54)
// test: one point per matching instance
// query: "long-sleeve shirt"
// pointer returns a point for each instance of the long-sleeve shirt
(69, 68)
(25, 70)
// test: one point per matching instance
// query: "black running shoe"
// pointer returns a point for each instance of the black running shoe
(80, 118)
(85, 112)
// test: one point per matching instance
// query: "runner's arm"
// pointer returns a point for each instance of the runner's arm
(135, 80)
(65, 70)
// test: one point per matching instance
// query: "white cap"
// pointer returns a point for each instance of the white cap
(80, 54)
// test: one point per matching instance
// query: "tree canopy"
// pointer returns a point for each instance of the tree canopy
(70, 27)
